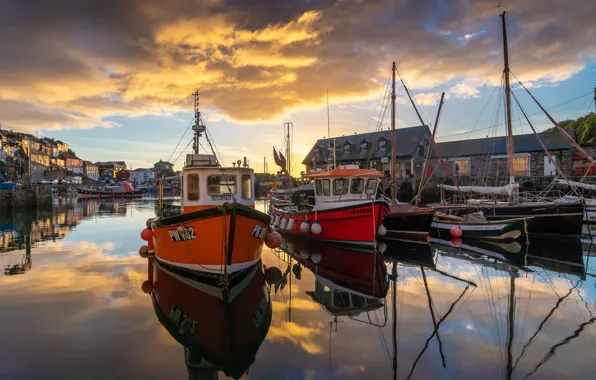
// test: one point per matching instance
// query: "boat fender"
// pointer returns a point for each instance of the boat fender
(147, 234)
(148, 223)
(316, 228)
(272, 239)
(455, 232)
(382, 231)
(382, 247)
(147, 287)
(290, 248)
(290, 224)
(304, 253)
(456, 242)
(304, 227)
(283, 224)
(316, 257)
(143, 251)
(277, 220)
(284, 244)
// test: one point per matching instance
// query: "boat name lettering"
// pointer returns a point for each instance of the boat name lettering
(258, 232)
(186, 323)
(260, 313)
(221, 197)
(358, 211)
(182, 233)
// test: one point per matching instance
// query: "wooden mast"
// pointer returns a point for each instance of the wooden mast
(430, 146)
(510, 147)
(393, 137)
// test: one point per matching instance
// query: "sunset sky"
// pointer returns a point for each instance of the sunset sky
(114, 78)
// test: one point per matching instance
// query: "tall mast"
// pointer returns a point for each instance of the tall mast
(328, 134)
(393, 137)
(511, 326)
(198, 127)
(431, 144)
(510, 148)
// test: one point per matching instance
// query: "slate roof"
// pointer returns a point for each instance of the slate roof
(407, 143)
(498, 145)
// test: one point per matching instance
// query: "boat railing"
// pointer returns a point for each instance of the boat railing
(524, 196)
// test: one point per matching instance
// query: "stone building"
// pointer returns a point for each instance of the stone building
(373, 150)
(487, 157)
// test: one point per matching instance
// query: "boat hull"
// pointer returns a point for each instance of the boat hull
(507, 230)
(354, 225)
(228, 237)
(352, 269)
(108, 194)
(547, 218)
(411, 224)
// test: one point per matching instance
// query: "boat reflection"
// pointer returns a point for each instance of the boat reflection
(220, 331)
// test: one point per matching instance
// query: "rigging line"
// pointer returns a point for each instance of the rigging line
(435, 331)
(565, 341)
(187, 145)
(532, 114)
(179, 141)
(380, 100)
(550, 314)
(209, 138)
(430, 306)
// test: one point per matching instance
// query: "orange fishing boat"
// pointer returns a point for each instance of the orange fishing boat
(219, 231)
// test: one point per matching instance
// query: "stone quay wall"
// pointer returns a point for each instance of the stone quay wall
(24, 198)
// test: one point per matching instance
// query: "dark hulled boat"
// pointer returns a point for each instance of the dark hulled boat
(405, 221)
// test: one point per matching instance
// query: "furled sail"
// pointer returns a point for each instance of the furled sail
(586, 186)
(492, 190)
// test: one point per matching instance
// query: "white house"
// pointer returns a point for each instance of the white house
(141, 175)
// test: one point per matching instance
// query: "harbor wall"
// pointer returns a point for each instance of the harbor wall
(24, 198)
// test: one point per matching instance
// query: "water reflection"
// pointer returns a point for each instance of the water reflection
(218, 332)
(448, 309)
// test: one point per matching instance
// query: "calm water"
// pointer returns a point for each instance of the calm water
(73, 307)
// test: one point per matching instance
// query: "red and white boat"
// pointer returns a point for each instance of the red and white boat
(347, 209)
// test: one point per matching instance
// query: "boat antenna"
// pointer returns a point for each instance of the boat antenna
(198, 127)
(393, 137)
(510, 147)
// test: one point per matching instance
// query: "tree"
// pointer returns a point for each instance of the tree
(583, 127)
(166, 173)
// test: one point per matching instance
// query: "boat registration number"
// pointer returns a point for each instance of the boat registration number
(182, 233)
(186, 323)
(358, 211)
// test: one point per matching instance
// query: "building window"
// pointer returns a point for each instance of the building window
(193, 187)
(340, 186)
(347, 148)
(326, 187)
(420, 150)
(521, 166)
(363, 147)
(317, 151)
(221, 184)
(356, 185)
(382, 145)
(461, 167)
(246, 186)
(318, 187)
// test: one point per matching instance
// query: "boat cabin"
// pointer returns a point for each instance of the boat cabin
(205, 184)
(345, 184)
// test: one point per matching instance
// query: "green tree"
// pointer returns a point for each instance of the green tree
(583, 127)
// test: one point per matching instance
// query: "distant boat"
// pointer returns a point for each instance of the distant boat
(126, 191)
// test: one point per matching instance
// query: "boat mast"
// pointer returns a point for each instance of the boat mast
(329, 158)
(511, 326)
(510, 148)
(198, 127)
(431, 145)
(393, 137)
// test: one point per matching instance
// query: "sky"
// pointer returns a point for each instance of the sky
(114, 78)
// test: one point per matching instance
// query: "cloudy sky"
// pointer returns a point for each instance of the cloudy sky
(114, 77)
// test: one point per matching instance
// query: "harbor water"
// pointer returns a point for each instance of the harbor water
(75, 305)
